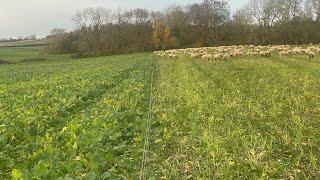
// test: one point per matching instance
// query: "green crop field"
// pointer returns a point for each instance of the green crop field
(248, 118)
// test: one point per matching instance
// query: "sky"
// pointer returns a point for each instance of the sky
(26, 17)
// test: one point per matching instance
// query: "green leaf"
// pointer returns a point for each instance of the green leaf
(16, 174)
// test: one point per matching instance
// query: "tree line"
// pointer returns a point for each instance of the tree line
(20, 38)
(101, 31)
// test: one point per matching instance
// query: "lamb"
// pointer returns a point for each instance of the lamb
(173, 56)
(207, 57)
(256, 50)
(252, 54)
(195, 55)
(265, 54)
(296, 51)
(235, 53)
(162, 55)
(312, 48)
(304, 51)
(240, 53)
(226, 57)
(216, 56)
(273, 49)
(220, 50)
(283, 53)
(311, 55)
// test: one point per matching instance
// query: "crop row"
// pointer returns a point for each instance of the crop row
(82, 119)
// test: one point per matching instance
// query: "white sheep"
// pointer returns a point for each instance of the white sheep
(283, 53)
(265, 54)
(226, 57)
(173, 56)
(311, 55)
(252, 54)
(207, 57)
(217, 56)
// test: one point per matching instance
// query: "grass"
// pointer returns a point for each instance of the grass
(24, 51)
(242, 119)
(26, 54)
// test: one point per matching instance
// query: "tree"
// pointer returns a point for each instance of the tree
(31, 37)
(103, 32)
(176, 19)
(141, 15)
(264, 12)
(242, 17)
(162, 37)
(63, 43)
(157, 16)
(295, 9)
(57, 32)
(92, 17)
(207, 17)
(312, 9)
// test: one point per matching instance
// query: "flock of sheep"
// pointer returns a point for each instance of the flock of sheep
(227, 52)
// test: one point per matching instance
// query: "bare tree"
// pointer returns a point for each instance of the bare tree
(141, 15)
(312, 9)
(57, 32)
(91, 17)
(242, 17)
(157, 16)
(175, 16)
(128, 17)
(264, 12)
(208, 23)
(295, 8)
(316, 5)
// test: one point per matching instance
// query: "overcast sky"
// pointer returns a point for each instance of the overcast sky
(25, 17)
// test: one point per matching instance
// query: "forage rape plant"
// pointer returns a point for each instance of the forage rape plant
(73, 119)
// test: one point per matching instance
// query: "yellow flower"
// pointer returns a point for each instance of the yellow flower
(78, 158)
(231, 162)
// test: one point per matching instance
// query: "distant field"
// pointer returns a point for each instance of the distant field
(26, 43)
(12, 55)
(25, 54)
(21, 51)
(249, 118)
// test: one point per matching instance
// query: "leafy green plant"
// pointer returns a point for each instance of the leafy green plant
(249, 118)
(79, 119)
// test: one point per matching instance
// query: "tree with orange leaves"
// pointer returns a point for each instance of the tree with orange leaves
(163, 38)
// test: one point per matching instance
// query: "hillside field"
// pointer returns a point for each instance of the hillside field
(248, 118)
